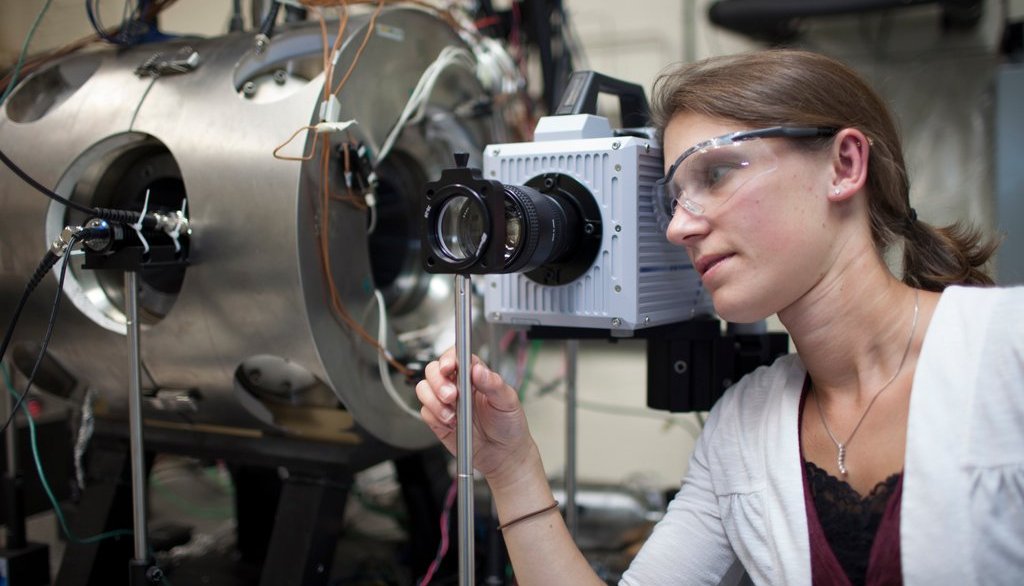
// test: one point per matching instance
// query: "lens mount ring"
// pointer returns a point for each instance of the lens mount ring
(585, 213)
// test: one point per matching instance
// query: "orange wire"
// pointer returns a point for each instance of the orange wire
(306, 157)
(359, 51)
(325, 195)
(342, 26)
(336, 305)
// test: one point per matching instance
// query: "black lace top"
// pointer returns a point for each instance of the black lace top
(849, 521)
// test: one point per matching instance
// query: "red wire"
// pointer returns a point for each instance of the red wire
(486, 22)
(442, 549)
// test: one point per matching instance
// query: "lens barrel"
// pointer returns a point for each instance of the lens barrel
(548, 228)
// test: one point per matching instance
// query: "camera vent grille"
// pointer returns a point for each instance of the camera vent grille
(638, 278)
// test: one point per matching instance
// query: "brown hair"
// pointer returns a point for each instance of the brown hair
(800, 88)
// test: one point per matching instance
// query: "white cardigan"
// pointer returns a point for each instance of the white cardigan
(741, 506)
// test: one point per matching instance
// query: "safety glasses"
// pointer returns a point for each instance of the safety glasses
(707, 174)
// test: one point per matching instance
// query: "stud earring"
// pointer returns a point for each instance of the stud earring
(837, 191)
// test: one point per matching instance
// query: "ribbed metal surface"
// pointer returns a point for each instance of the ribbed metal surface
(638, 278)
(587, 293)
(661, 291)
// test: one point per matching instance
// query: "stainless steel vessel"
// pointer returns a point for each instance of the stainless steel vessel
(244, 339)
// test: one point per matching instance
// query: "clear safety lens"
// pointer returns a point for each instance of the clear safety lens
(707, 175)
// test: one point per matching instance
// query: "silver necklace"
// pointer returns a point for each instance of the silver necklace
(841, 446)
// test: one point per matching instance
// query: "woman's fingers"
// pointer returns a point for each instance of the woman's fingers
(442, 385)
(448, 362)
(500, 395)
(439, 395)
(440, 413)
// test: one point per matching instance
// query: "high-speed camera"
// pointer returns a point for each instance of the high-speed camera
(570, 243)
(565, 227)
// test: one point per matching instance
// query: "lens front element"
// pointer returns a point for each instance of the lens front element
(461, 228)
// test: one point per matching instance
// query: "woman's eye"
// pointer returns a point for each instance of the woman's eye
(713, 176)
(716, 174)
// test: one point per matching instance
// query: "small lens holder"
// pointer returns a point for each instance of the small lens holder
(463, 181)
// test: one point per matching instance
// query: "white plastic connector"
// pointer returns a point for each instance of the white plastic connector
(137, 226)
(330, 109)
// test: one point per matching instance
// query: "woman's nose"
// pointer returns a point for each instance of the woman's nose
(685, 225)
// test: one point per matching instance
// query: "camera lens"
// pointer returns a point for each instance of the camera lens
(472, 225)
(461, 228)
(539, 228)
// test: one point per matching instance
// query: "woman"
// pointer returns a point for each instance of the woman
(787, 185)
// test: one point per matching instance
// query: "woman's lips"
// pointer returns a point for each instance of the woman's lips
(706, 265)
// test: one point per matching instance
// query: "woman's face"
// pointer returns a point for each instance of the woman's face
(764, 244)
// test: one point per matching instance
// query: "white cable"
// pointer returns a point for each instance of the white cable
(382, 364)
(371, 204)
(85, 428)
(416, 106)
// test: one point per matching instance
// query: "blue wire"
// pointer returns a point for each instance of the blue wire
(24, 51)
(42, 475)
(127, 35)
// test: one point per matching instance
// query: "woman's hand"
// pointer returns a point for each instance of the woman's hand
(501, 436)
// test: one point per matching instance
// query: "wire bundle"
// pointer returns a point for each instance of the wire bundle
(146, 12)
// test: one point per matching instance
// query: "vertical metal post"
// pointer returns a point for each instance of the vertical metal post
(13, 483)
(571, 356)
(494, 571)
(131, 297)
(464, 428)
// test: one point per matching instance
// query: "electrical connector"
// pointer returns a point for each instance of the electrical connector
(330, 109)
(64, 240)
(262, 41)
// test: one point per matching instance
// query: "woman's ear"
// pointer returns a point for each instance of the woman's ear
(850, 151)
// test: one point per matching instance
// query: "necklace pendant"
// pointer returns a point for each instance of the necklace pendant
(841, 460)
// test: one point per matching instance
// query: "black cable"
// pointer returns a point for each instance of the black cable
(42, 188)
(237, 25)
(49, 328)
(44, 267)
(267, 28)
(295, 14)
(113, 215)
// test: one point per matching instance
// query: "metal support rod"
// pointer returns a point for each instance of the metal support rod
(11, 437)
(494, 572)
(464, 428)
(572, 348)
(13, 481)
(138, 470)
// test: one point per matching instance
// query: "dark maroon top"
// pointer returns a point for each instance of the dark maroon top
(854, 540)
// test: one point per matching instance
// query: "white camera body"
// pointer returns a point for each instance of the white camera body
(637, 279)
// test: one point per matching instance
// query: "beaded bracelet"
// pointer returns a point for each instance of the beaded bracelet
(550, 507)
